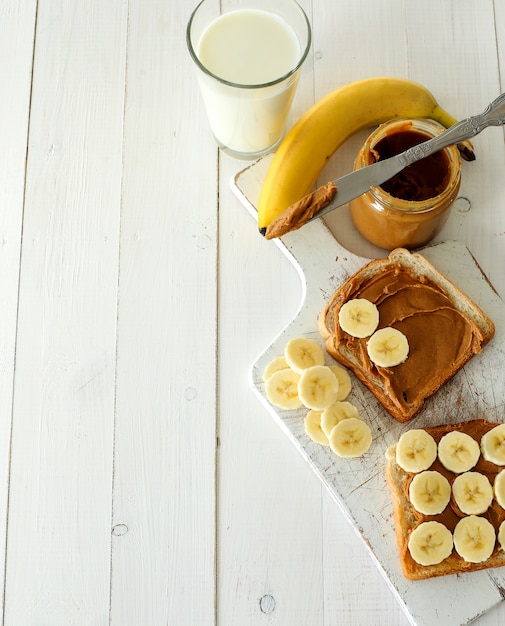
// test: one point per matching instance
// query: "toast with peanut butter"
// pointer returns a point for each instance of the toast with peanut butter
(424, 556)
(443, 326)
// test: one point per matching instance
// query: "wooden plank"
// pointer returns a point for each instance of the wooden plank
(163, 557)
(17, 25)
(499, 16)
(286, 554)
(58, 546)
(269, 532)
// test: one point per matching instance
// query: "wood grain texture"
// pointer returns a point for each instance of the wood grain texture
(17, 25)
(163, 556)
(141, 481)
(58, 548)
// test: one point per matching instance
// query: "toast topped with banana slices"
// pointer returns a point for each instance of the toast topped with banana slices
(448, 489)
(404, 330)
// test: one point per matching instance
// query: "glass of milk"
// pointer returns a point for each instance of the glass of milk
(248, 55)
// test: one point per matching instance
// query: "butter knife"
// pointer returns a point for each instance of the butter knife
(358, 182)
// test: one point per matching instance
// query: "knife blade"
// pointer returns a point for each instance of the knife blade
(348, 187)
(359, 182)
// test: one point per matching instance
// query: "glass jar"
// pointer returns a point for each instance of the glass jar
(411, 208)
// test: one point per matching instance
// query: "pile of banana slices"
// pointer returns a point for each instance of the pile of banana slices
(430, 492)
(300, 378)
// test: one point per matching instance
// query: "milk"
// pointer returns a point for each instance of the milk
(248, 48)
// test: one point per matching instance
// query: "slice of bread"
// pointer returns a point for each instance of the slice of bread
(406, 519)
(437, 352)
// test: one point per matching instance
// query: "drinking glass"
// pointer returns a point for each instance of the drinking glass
(248, 58)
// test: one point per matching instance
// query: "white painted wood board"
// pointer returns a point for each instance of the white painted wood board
(61, 450)
(163, 518)
(17, 26)
(359, 485)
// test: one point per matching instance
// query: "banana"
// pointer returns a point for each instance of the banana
(429, 492)
(335, 413)
(358, 317)
(499, 489)
(325, 126)
(350, 438)
(474, 538)
(492, 445)
(458, 452)
(344, 381)
(313, 429)
(501, 535)
(387, 347)
(301, 353)
(472, 492)
(430, 543)
(416, 450)
(317, 387)
(276, 364)
(282, 389)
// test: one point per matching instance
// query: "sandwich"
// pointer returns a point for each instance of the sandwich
(448, 488)
(405, 310)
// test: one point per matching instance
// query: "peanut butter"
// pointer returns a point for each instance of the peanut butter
(452, 514)
(300, 212)
(438, 334)
(411, 208)
(423, 179)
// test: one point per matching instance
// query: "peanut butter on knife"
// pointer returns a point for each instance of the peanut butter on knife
(301, 211)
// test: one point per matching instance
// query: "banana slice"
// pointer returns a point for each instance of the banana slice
(344, 381)
(313, 427)
(473, 493)
(499, 488)
(282, 389)
(358, 317)
(492, 445)
(275, 365)
(416, 450)
(388, 347)
(458, 452)
(474, 538)
(301, 353)
(350, 438)
(501, 535)
(430, 543)
(317, 387)
(430, 492)
(335, 413)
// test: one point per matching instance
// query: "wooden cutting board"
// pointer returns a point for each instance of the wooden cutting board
(359, 485)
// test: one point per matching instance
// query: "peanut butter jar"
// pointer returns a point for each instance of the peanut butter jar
(410, 209)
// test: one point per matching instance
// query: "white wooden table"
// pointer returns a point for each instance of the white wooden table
(141, 482)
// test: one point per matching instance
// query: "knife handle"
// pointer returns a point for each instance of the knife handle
(494, 115)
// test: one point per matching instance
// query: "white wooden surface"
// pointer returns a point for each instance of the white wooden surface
(141, 481)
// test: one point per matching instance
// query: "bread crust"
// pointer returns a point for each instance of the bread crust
(420, 267)
(406, 521)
